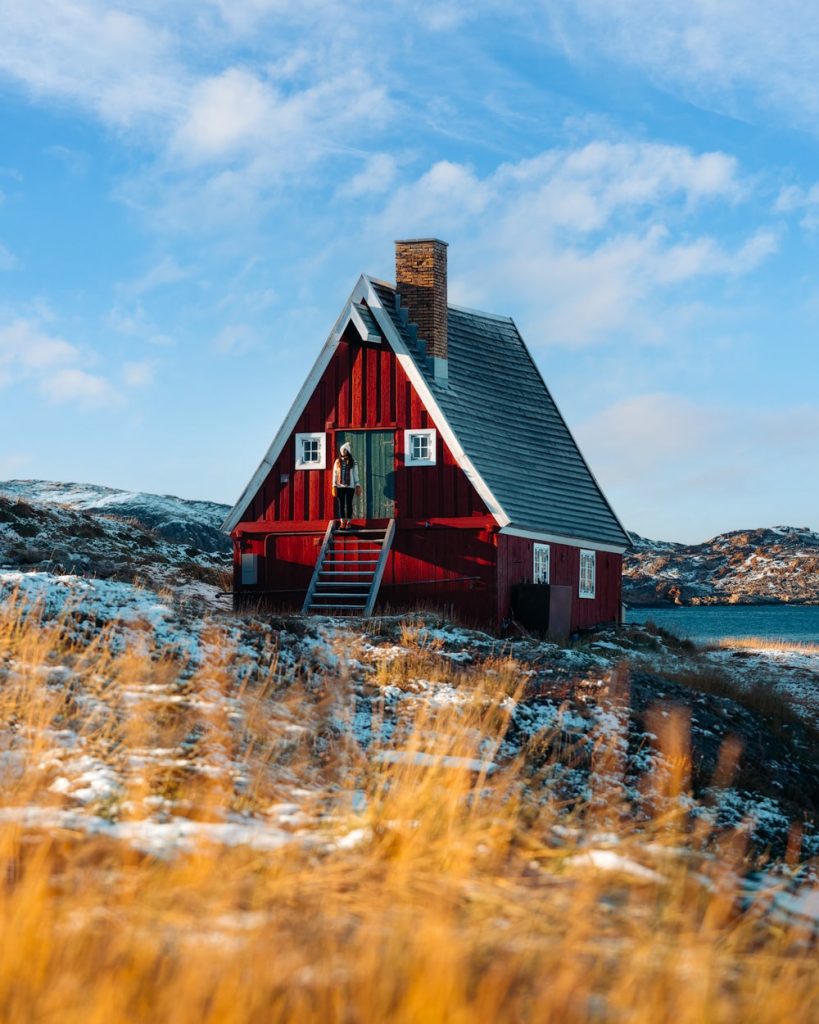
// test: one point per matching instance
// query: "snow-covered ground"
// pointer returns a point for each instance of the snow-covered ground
(336, 683)
(155, 744)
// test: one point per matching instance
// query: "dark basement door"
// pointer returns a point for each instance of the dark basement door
(374, 451)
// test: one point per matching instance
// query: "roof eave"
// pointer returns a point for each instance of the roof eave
(362, 290)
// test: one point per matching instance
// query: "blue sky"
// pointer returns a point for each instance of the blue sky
(190, 188)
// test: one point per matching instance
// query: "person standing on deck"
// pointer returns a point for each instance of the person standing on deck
(345, 484)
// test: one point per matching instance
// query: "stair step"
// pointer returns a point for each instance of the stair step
(358, 546)
(326, 607)
(342, 593)
(349, 561)
(369, 573)
(344, 583)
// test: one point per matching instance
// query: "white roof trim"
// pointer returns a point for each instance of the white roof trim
(384, 321)
(361, 290)
(364, 331)
(556, 538)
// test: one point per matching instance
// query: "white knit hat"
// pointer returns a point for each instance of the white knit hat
(346, 448)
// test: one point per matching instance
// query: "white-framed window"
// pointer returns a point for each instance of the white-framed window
(419, 447)
(587, 573)
(541, 556)
(311, 451)
(250, 570)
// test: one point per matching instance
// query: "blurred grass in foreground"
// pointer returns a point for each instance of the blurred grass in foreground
(431, 885)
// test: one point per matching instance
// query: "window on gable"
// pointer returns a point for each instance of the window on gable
(587, 573)
(540, 568)
(419, 447)
(310, 451)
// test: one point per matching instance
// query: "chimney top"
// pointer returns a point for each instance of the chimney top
(416, 241)
(421, 283)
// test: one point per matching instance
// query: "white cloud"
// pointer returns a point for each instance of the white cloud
(75, 386)
(166, 271)
(30, 355)
(585, 241)
(794, 199)
(25, 346)
(375, 177)
(742, 57)
(234, 340)
(119, 64)
(75, 162)
(444, 15)
(666, 458)
(8, 261)
(221, 127)
(139, 374)
(223, 113)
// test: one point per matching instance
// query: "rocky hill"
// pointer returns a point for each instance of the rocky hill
(763, 566)
(100, 532)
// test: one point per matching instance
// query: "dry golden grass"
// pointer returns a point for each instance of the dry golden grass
(761, 643)
(447, 898)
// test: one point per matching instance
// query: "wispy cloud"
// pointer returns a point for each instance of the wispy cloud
(743, 57)
(30, 355)
(166, 271)
(75, 162)
(376, 177)
(8, 261)
(120, 64)
(661, 451)
(139, 373)
(74, 386)
(234, 340)
(587, 240)
(25, 346)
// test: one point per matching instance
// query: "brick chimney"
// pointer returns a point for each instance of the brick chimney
(420, 278)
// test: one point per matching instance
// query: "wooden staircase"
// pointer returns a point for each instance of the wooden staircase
(348, 570)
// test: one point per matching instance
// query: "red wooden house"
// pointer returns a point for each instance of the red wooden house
(472, 482)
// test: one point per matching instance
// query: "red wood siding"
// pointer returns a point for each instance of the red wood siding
(515, 565)
(444, 565)
(364, 386)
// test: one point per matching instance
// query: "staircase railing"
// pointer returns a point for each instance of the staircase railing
(305, 608)
(379, 568)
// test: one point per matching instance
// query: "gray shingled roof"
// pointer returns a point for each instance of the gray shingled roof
(501, 411)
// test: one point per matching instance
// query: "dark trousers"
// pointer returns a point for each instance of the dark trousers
(344, 501)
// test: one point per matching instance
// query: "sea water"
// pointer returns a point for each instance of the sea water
(713, 622)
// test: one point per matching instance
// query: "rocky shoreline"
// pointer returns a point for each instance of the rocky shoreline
(774, 566)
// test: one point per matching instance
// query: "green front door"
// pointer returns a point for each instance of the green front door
(374, 451)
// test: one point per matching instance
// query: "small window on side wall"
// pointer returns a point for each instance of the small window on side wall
(419, 447)
(587, 573)
(310, 451)
(540, 568)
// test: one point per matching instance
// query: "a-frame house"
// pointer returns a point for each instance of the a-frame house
(472, 482)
